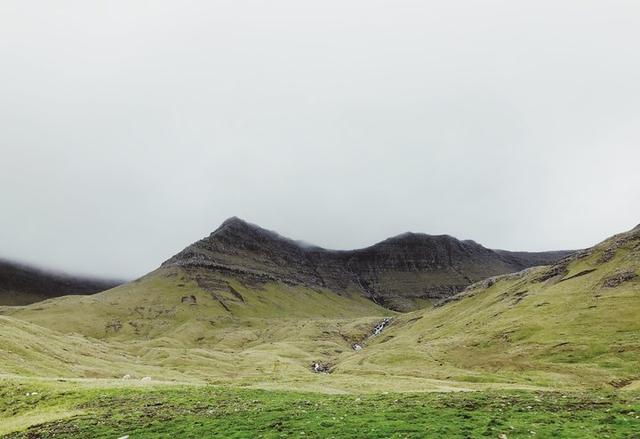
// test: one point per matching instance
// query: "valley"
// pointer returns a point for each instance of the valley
(246, 311)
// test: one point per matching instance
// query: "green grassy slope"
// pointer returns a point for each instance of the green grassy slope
(249, 355)
(253, 335)
(573, 324)
(162, 304)
(31, 350)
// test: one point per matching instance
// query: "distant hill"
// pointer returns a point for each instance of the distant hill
(401, 273)
(22, 284)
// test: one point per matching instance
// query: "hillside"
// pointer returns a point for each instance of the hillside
(21, 284)
(169, 303)
(402, 273)
(571, 324)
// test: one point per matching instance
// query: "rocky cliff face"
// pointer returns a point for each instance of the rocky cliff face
(402, 273)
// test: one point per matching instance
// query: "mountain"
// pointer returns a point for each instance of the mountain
(21, 284)
(574, 323)
(400, 273)
(569, 325)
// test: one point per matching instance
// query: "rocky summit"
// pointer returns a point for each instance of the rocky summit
(401, 273)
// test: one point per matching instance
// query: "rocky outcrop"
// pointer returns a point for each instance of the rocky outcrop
(189, 300)
(619, 278)
(400, 273)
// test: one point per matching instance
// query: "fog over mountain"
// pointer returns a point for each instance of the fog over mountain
(131, 128)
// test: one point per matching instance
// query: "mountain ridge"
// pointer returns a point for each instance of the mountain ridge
(402, 273)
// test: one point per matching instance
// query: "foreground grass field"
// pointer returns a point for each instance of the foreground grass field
(95, 409)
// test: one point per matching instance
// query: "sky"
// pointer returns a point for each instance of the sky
(129, 129)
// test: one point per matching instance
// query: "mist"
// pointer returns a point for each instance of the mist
(131, 129)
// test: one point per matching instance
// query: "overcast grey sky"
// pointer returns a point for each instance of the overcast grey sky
(129, 129)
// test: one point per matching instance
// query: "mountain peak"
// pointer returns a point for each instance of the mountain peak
(399, 272)
(237, 229)
(234, 220)
(235, 223)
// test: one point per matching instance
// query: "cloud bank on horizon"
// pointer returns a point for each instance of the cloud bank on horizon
(130, 129)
